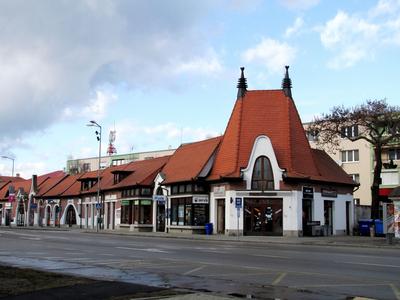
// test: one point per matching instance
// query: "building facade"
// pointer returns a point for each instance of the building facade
(261, 177)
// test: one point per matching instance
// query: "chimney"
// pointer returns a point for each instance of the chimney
(242, 85)
(34, 187)
(287, 84)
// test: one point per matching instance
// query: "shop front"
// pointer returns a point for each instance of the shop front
(189, 214)
(137, 214)
(263, 216)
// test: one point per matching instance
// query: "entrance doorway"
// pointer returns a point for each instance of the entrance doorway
(221, 216)
(307, 217)
(71, 216)
(263, 217)
(348, 217)
(328, 215)
(21, 215)
(48, 215)
(160, 217)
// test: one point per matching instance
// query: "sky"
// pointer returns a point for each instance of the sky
(162, 73)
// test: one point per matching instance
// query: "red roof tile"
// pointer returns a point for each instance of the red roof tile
(189, 160)
(69, 185)
(141, 172)
(270, 113)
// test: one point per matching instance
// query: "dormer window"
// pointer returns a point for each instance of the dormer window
(263, 178)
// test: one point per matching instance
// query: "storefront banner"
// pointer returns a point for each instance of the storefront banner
(125, 202)
(200, 200)
(396, 219)
(388, 218)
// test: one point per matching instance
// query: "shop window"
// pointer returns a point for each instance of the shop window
(126, 212)
(184, 212)
(263, 178)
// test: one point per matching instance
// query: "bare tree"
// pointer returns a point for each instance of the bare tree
(375, 121)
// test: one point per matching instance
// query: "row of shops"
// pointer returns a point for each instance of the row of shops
(260, 178)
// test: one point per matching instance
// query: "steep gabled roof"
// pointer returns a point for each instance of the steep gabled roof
(273, 114)
(270, 113)
(189, 160)
(329, 170)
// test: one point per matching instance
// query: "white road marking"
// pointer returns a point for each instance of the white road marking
(395, 291)
(194, 270)
(146, 250)
(369, 264)
(279, 278)
(270, 256)
(31, 238)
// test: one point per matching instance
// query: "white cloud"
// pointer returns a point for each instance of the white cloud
(54, 55)
(350, 37)
(356, 37)
(385, 7)
(295, 28)
(270, 53)
(299, 4)
(98, 106)
(208, 64)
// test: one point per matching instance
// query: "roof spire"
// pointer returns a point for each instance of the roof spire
(242, 85)
(287, 83)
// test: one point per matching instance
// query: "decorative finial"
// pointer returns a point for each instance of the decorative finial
(242, 84)
(287, 83)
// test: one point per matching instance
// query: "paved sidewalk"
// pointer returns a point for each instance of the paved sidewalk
(342, 241)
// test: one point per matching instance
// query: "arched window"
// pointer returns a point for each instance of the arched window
(263, 178)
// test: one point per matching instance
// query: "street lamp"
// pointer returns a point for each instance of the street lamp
(11, 158)
(98, 134)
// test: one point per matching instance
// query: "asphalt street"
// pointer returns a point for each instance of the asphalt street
(262, 270)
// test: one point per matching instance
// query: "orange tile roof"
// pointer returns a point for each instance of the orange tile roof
(141, 172)
(68, 183)
(189, 160)
(270, 113)
(329, 170)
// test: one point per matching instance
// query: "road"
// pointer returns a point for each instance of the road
(262, 270)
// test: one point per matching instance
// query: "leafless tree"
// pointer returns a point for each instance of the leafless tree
(375, 121)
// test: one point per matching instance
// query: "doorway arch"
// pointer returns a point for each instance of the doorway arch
(48, 215)
(70, 217)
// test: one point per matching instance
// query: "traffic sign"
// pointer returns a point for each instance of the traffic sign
(98, 205)
(159, 198)
(238, 202)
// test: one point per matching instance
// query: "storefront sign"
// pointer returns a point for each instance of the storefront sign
(125, 202)
(329, 193)
(145, 202)
(219, 191)
(159, 198)
(308, 192)
(200, 200)
(8, 205)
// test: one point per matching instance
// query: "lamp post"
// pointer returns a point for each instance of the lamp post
(10, 158)
(98, 134)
